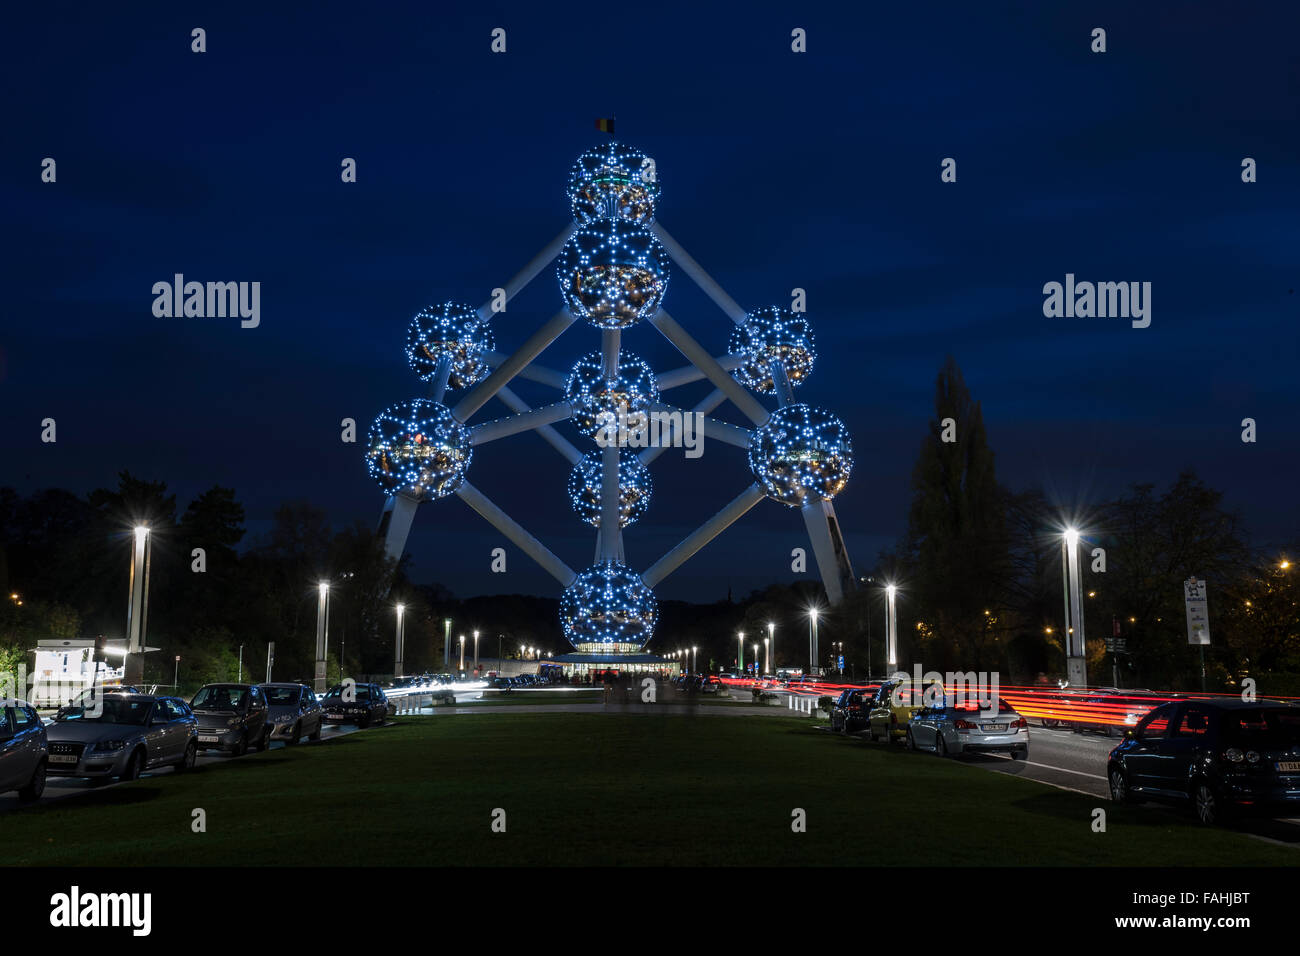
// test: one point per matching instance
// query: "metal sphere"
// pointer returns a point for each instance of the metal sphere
(773, 334)
(599, 403)
(417, 448)
(801, 454)
(613, 274)
(453, 330)
(634, 487)
(608, 608)
(613, 181)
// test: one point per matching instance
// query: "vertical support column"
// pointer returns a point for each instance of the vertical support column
(395, 524)
(610, 532)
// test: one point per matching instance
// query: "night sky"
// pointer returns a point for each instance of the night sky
(818, 170)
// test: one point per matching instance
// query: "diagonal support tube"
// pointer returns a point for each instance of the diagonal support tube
(551, 436)
(514, 424)
(524, 541)
(478, 396)
(713, 429)
(529, 272)
(706, 405)
(696, 354)
(689, 373)
(693, 269)
(532, 372)
(702, 535)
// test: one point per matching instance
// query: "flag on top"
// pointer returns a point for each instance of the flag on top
(606, 125)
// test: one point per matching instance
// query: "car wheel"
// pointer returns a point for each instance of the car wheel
(1119, 789)
(241, 748)
(264, 740)
(134, 766)
(315, 734)
(1112, 730)
(1020, 754)
(296, 735)
(188, 758)
(910, 743)
(35, 787)
(940, 745)
(1208, 808)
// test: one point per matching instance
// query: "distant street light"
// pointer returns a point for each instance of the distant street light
(891, 629)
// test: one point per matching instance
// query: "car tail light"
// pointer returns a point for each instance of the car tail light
(1019, 723)
(963, 725)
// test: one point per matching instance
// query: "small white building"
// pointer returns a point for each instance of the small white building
(65, 668)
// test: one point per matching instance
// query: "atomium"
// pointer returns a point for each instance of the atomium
(418, 449)
(599, 403)
(772, 335)
(634, 488)
(452, 330)
(613, 274)
(608, 605)
(801, 454)
(613, 181)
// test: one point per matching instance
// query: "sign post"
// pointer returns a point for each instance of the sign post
(1198, 618)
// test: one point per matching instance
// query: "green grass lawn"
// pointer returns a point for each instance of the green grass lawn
(607, 789)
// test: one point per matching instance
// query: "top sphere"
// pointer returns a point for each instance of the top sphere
(613, 181)
(453, 330)
(772, 335)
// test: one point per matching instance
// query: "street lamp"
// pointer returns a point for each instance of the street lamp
(812, 641)
(446, 643)
(771, 634)
(695, 659)
(461, 669)
(476, 652)
(1076, 664)
(137, 608)
(767, 655)
(891, 629)
(740, 651)
(399, 642)
(322, 634)
(755, 646)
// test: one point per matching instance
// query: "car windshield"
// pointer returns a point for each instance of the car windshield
(219, 698)
(1264, 728)
(361, 691)
(118, 710)
(281, 696)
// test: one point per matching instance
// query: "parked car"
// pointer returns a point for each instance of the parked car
(850, 711)
(892, 706)
(354, 703)
(501, 683)
(131, 733)
(232, 718)
(952, 730)
(710, 684)
(24, 751)
(1221, 757)
(292, 712)
(87, 697)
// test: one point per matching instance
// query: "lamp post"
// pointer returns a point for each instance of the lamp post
(695, 659)
(137, 607)
(240, 678)
(461, 669)
(398, 642)
(1076, 663)
(771, 635)
(767, 655)
(446, 643)
(812, 642)
(476, 653)
(755, 646)
(740, 651)
(322, 635)
(891, 631)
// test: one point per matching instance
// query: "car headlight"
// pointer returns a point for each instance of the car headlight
(1233, 754)
(108, 746)
(232, 721)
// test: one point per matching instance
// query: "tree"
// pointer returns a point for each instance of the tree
(956, 555)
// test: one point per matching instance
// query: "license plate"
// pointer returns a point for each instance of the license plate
(994, 727)
(207, 739)
(334, 716)
(1289, 766)
(63, 758)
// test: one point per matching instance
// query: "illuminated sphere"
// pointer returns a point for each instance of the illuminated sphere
(613, 274)
(453, 330)
(594, 398)
(609, 605)
(773, 334)
(417, 448)
(613, 181)
(634, 487)
(801, 454)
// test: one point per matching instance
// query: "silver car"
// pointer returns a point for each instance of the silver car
(24, 750)
(952, 730)
(131, 733)
(292, 712)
